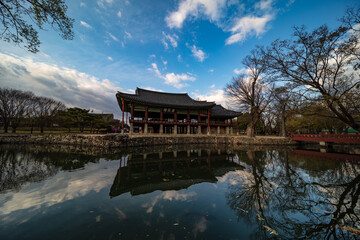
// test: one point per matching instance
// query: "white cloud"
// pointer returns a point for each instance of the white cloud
(198, 53)
(175, 80)
(127, 35)
(113, 37)
(264, 5)
(242, 71)
(237, 71)
(85, 24)
(211, 70)
(156, 70)
(102, 3)
(179, 58)
(82, 4)
(248, 25)
(119, 14)
(152, 56)
(172, 39)
(110, 58)
(211, 9)
(215, 95)
(253, 22)
(212, 86)
(68, 85)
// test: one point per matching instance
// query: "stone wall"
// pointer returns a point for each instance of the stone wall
(119, 140)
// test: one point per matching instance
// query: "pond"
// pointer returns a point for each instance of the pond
(178, 192)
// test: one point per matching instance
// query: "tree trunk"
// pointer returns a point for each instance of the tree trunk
(6, 127)
(283, 126)
(250, 129)
(41, 128)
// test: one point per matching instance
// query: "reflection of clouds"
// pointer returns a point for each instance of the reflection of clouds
(62, 187)
(168, 195)
(121, 215)
(200, 226)
(237, 177)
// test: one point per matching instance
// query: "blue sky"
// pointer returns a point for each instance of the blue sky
(193, 46)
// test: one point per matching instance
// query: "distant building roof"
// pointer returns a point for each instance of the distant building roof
(220, 111)
(181, 100)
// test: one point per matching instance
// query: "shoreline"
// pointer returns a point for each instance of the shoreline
(117, 140)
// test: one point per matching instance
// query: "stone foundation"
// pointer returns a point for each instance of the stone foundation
(121, 140)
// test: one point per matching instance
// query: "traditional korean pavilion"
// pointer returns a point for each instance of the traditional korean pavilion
(174, 113)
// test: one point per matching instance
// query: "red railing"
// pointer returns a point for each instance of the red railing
(341, 138)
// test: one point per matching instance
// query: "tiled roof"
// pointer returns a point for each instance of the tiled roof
(220, 111)
(181, 100)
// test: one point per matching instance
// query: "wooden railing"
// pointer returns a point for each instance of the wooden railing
(341, 138)
(178, 122)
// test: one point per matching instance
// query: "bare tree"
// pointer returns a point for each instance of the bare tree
(45, 110)
(321, 64)
(250, 91)
(13, 106)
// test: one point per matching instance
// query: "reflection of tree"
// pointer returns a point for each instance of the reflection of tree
(251, 198)
(18, 168)
(295, 200)
(34, 164)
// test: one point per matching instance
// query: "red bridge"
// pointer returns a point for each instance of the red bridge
(335, 138)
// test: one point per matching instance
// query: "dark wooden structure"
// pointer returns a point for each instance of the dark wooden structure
(333, 138)
(174, 113)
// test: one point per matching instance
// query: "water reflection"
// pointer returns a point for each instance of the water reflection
(36, 163)
(157, 170)
(290, 196)
(178, 192)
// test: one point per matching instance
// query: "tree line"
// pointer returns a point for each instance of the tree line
(313, 74)
(26, 110)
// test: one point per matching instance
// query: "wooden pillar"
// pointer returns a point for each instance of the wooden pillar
(188, 122)
(208, 128)
(123, 109)
(175, 119)
(199, 126)
(227, 127)
(131, 120)
(161, 130)
(237, 125)
(146, 121)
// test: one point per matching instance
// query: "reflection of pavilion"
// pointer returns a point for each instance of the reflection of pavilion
(145, 173)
